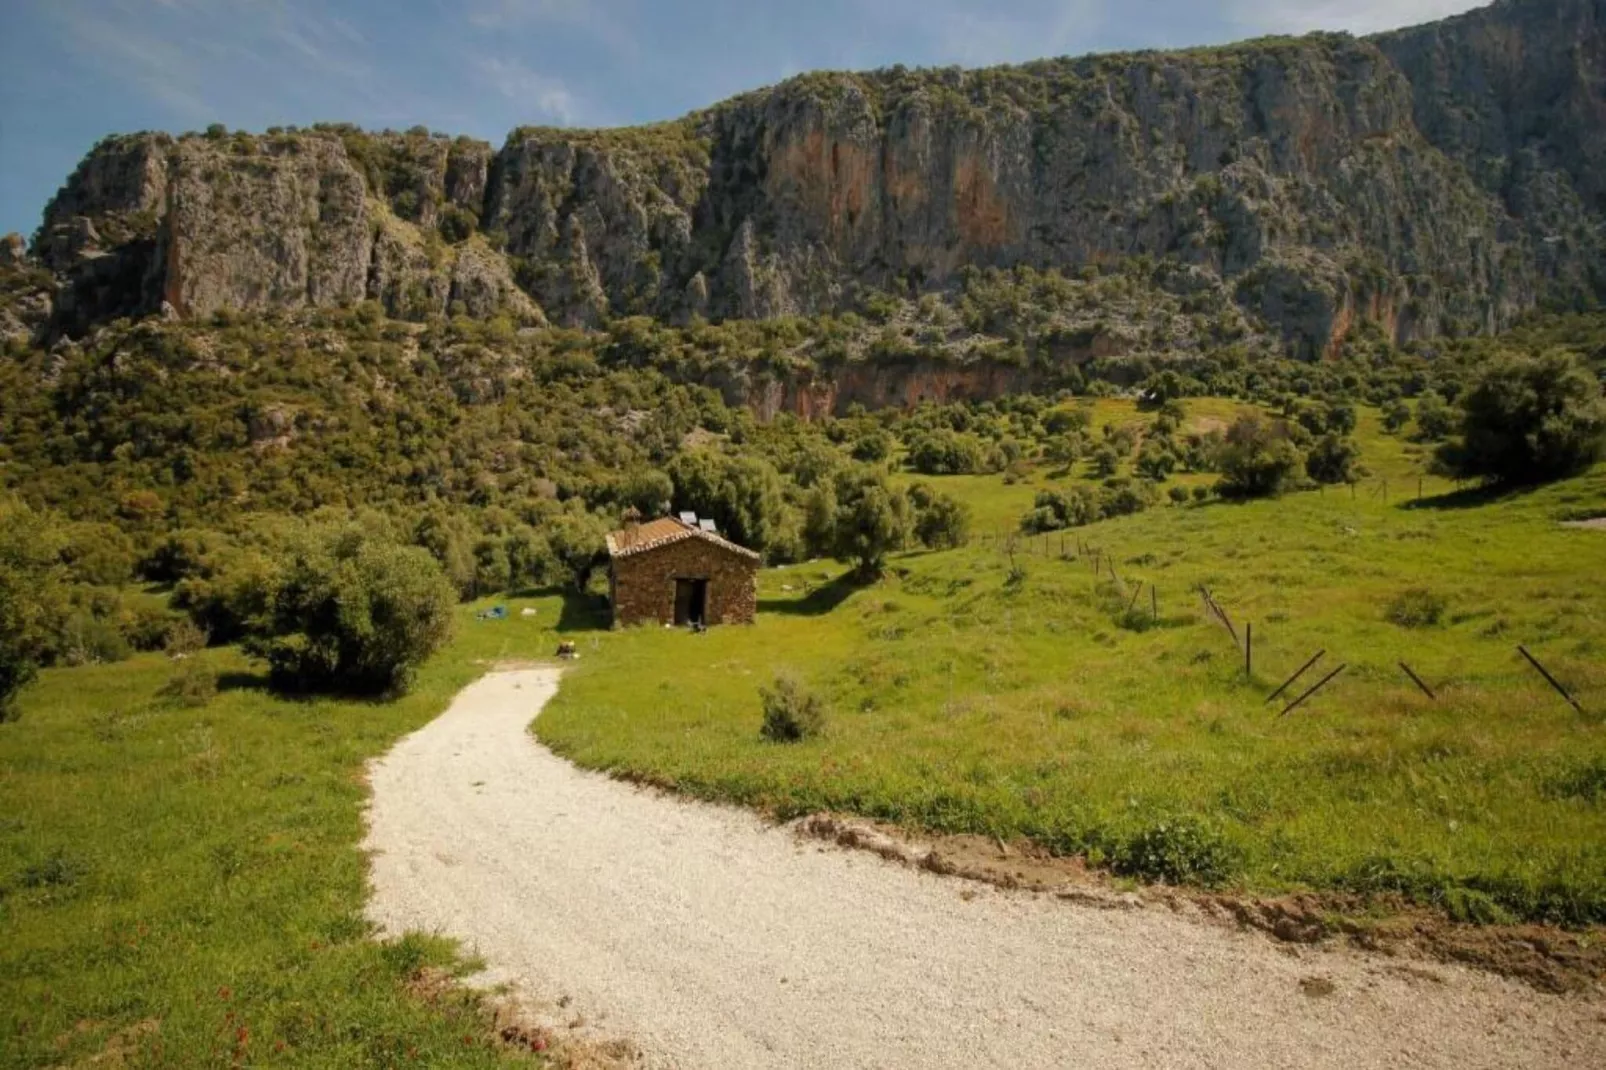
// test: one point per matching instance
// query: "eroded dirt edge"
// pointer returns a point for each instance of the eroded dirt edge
(1550, 959)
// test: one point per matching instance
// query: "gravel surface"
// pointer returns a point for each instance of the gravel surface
(709, 938)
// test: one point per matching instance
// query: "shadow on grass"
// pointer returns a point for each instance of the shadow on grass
(582, 611)
(242, 681)
(1473, 497)
(816, 603)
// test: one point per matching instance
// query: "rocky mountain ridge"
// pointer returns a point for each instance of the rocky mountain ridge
(1441, 179)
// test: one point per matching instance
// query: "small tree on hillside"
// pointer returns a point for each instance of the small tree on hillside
(354, 614)
(16, 667)
(1395, 416)
(1528, 419)
(1434, 417)
(941, 521)
(1332, 460)
(1257, 459)
(872, 520)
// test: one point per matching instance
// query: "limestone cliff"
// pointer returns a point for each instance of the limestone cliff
(1440, 179)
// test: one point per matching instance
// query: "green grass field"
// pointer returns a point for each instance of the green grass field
(182, 887)
(962, 700)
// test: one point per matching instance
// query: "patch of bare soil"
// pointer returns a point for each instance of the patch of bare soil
(120, 1048)
(554, 1032)
(1548, 958)
(1596, 522)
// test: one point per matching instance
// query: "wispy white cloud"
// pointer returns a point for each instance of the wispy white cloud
(1355, 16)
(200, 58)
(543, 96)
(156, 66)
(607, 22)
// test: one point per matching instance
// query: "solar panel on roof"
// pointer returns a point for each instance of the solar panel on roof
(708, 526)
(689, 519)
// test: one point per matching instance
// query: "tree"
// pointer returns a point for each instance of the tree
(1434, 417)
(1528, 419)
(16, 666)
(354, 613)
(449, 539)
(744, 496)
(1063, 449)
(941, 521)
(1156, 463)
(578, 540)
(942, 453)
(1340, 418)
(1332, 459)
(874, 445)
(1256, 459)
(1395, 416)
(872, 520)
(1105, 461)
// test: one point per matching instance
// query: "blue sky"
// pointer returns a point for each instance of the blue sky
(75, 70)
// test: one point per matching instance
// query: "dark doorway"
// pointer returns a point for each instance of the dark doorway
(691, 601)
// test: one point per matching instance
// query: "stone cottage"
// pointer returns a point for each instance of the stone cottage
(678, 570)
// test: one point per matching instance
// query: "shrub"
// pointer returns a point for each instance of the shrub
(873, 446)
(1416, 607)
(16, 666)
(1396, 416)
(1178, 495)
(1124, 497)
(146, 627)
(1156, 462)
(1053, 510)
(1105, 461)
(1528, 419)
(941, 521)
(871, 519)
(91, 640)
(1257, 459)
(791, 711)
(193, 685)
(1201, 493)
(354, 614)
(1177, 850)
(938, 453)
(1434, 417)
(184, 638)
(1332, 460)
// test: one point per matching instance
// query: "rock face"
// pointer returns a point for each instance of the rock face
(1440, 179)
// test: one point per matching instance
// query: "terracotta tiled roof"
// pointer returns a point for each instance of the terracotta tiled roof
(662, 532)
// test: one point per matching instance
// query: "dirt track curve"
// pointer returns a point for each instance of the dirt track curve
(709, 938)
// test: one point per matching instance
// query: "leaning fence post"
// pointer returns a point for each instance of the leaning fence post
(1135, 592)
(1297, 674)
(1154, 603)
(1249, 648)
(1562, 691)
(1426, 690)
(1318, 686)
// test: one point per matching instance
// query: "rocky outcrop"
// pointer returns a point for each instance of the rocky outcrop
(1440, 179)
(283, 225)
(1513, 93)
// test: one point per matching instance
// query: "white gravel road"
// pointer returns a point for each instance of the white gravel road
(711, 939)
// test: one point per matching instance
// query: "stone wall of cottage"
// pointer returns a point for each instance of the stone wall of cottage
(644, 583)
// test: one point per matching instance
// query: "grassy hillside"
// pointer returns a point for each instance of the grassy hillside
(969, 696)
(181, 886)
